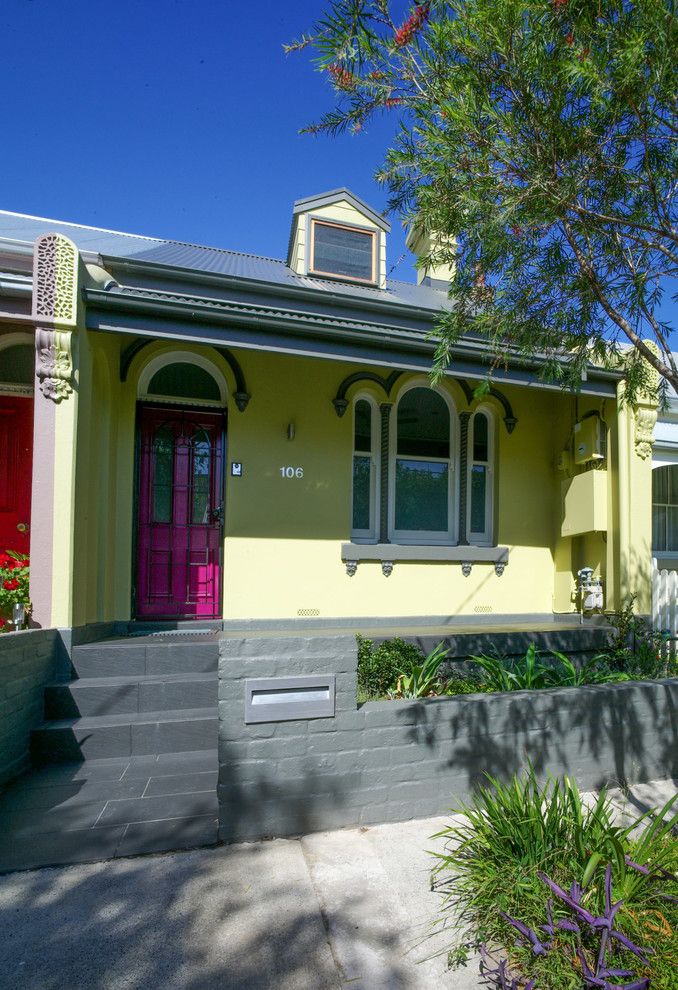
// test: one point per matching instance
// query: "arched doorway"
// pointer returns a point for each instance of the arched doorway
(180, 503)
(17, 372)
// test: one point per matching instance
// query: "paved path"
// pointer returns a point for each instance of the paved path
(332, 910)
(335, 910)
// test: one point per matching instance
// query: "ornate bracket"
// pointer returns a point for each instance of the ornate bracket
(340, 402)
(466, 568)
(351, 567)
(387, 567)
(55, 309)
(54, 366)
(499, 567)
(645, 419)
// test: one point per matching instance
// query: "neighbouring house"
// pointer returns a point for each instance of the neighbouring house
(665, 487)
(188, 432)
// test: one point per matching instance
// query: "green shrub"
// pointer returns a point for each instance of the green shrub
(511, 833)
(379, 667)
(421, 679)
(636, 648)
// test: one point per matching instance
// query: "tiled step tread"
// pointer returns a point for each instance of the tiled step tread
(135, 718)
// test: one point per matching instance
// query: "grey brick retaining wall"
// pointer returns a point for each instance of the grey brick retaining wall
(394, 760)
(27, 664)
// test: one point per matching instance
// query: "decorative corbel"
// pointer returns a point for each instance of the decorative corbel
(499, 566)
(645, 419)
(351, 567)
(55, 308)
(387, 567)
(53, 366)
(466, 568)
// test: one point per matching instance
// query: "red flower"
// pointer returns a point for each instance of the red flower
(10, 585)
(559, 4)
(392, 101)
(569, 38)
(515, 230)
(341, 77)
(4, 558)
(414, 23)
(3, 623)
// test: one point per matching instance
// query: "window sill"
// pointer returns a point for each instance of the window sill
(389, 554)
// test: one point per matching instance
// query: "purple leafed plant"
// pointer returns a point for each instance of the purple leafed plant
(603, 976)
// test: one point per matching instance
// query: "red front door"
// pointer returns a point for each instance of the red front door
(180, 505)
(16, 465)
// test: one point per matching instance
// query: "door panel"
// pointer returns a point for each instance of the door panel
(181, 484)
(16, 469)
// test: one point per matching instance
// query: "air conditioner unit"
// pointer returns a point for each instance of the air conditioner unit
(589, 440)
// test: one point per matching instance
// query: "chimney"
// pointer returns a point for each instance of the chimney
(425, 243)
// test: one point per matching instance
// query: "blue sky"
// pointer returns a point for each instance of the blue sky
(178, 120)
(173, 119)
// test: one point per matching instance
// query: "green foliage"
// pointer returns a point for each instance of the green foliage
(636, 648)
(379, 667)
(511, 831)
(530, 673)
(538, 138)
(421, 680)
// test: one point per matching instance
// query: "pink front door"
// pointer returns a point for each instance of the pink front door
(16, 461)
(180, 506)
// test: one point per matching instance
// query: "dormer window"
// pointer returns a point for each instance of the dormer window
(343, 252)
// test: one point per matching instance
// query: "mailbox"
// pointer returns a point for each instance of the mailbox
(283, 699)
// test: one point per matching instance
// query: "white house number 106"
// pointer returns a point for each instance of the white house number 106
(291, 472)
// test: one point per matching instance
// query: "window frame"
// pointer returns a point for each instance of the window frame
(370, 535)
(668, 552)
(312, 270)
(485, 539)
(420, 537)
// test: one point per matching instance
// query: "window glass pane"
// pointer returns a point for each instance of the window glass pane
(361, 492)
(339, 251)
(660, 489)
(421, 496)
(478, 492)
(423, 424)
(363, 426)
(658, 528)
(480, 440)
(202, 451)
(672, 528)
(185, 381)
(17, 364)
(671, 471)
(163, 468)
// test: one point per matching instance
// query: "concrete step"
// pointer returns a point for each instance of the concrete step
(91, 696)
(147, 656)
(144, 733)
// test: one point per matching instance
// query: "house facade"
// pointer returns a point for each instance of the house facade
(194, 434)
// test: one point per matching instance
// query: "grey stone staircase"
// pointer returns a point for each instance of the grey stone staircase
(132, 697)
(125, 761)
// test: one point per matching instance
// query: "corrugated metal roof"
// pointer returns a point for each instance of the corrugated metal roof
(219, 261)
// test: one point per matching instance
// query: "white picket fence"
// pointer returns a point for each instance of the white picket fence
(665, 604)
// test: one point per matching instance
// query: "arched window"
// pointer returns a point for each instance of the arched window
(423, 503)
(481, 478)
(665, 509)
(184, 381)
(365, 456)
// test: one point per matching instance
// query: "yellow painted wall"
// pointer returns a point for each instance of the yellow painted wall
(282, 547)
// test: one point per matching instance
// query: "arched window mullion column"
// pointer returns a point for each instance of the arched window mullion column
(464, 419)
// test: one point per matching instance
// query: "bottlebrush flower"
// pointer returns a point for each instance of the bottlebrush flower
(414, 23)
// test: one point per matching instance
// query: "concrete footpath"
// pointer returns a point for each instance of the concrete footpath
(332, 910)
